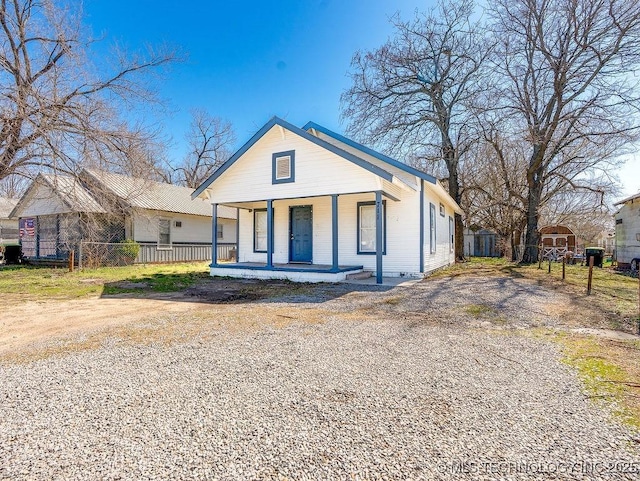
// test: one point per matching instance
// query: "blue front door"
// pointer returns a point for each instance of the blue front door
(301, 234)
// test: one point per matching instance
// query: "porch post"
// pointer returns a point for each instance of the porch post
(270, 233)
(214, 235)
(378, 237)
(237, 234)
(421, 225)
(334, 231)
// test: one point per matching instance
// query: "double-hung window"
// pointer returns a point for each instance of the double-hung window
(367, 227)
(164, 233)
(220, 231)
(260, 230)
(451, 236)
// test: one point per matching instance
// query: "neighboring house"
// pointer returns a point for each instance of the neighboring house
(627, 236)
(8, 227)
(57, 212)
(481, 243)
(316, 206)
(556, 241)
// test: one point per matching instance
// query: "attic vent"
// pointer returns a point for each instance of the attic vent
(178, 223)
(618, 221)
(283, 167)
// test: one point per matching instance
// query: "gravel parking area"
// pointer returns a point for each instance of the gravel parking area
(420, 390)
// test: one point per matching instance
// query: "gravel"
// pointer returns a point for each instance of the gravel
(368, 397)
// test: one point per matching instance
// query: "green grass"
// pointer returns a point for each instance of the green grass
(22, 283)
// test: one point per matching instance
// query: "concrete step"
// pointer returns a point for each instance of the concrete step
(359, 275)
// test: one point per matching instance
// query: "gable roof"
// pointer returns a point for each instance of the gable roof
(76, 193)
(148, 194)
(384, 158)
(6, 206)
(68, 189)
(302, 133)
(628, 199)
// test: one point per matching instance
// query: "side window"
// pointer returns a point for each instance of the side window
(220, 231)
(367, 227)
(432, 228)
(164, 233)
(260, 230)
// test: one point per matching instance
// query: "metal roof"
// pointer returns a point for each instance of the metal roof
(147, 194)
(72, 193)
(630, 198)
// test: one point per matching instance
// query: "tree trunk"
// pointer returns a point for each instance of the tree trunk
(532, 237)
(449, 155)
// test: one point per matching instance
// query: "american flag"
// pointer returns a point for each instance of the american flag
(27, 228)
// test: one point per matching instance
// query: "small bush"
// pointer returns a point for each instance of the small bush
(129, 249)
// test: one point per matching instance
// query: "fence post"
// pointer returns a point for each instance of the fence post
(539, 257)
(590, 275)
(80, 256)
(549, 264)
(638, 331)
(564, 262)
(71, 256)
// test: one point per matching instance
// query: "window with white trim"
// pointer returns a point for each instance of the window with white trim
(260, 230)
(164, 233)
(367, 227)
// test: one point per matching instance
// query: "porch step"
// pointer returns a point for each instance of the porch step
(359, 275)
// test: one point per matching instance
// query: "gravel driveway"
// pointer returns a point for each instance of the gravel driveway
(418, 391)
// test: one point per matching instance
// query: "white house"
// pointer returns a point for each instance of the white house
(627, 236)
(8, 227)
(316, 206)
(57, 212)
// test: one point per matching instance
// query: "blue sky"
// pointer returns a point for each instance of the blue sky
(247, 61)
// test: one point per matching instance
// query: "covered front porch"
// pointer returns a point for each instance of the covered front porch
(293, 272)
(312, 239)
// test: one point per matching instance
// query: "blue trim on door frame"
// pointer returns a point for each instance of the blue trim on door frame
(292, 167)
(384, 242)
(374, 169)
(291, 207)
(371, 152)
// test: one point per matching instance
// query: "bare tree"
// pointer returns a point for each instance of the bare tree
(210, 140)
(411, 96)
(567, 85)
(56, 105)
(494, 188)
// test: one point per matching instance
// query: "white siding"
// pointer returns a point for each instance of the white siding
(627, 244)
(195, 229)
(317, 172)
(402, 234)
(42, 201)
(443, 255)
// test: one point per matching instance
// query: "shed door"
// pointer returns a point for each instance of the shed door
(301, 228)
